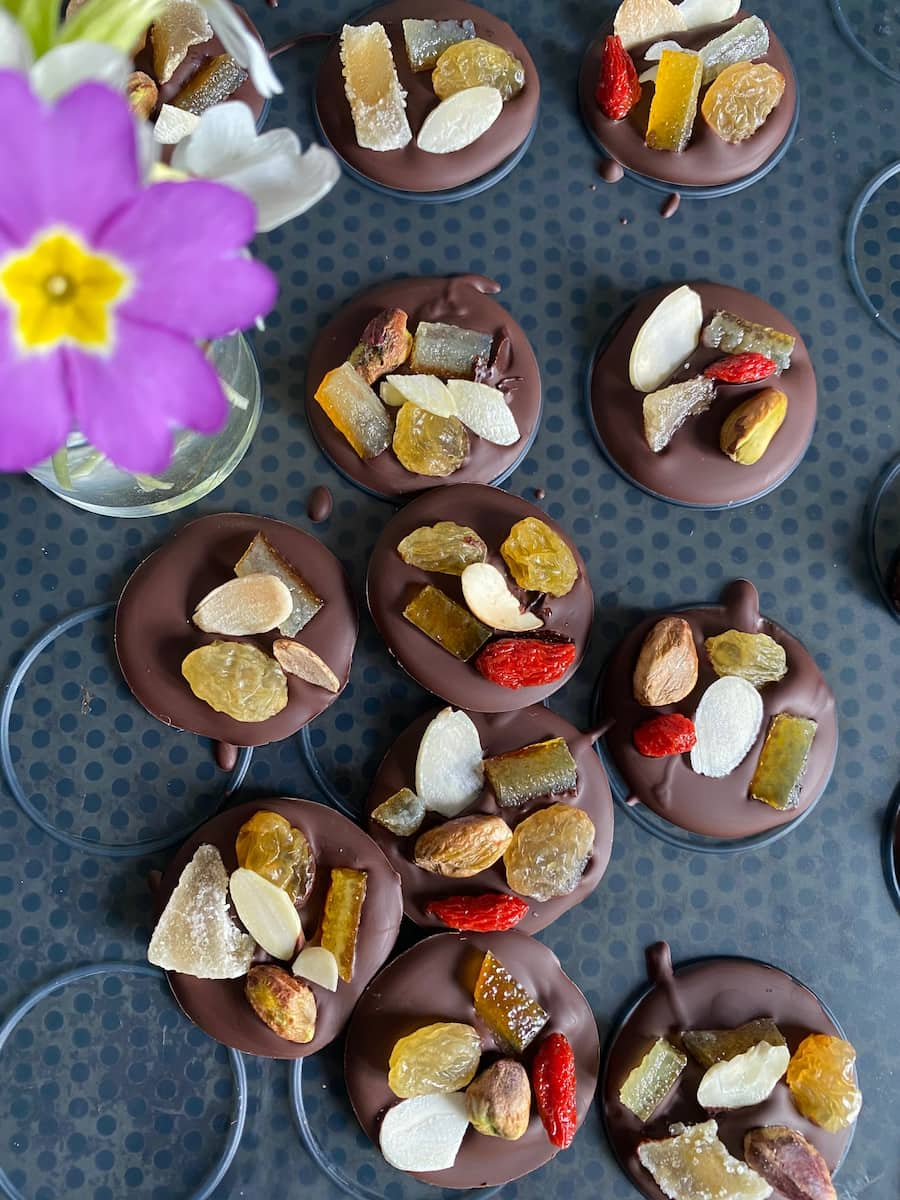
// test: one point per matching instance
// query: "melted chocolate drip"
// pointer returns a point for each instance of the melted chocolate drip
(610, 171)
(669, 206)
(226, 755)
(320, 504)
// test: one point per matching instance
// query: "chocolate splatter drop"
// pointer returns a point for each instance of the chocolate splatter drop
(320, 504)
(226, 755)
(610, 171)
(670, 205)
(539, 493)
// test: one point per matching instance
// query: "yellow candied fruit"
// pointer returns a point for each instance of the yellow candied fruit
(674, 105)
(508, 1009)
(340, 920)
(477, 63)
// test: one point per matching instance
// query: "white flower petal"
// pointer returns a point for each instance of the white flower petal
(242, 45)
(65, 67)
(225, 135)
(15, 48)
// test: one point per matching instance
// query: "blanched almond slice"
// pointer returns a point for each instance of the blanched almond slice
(640, 20)
(727, 723)
(240, 607)
(449, 766)
(746, 1079)
(266, 913)
(491, 601)
(299, 660)
(698, 13)
(460, 120)
(425, 391)
(654, 52)
(426, 1132)
(484, 410)
(318, 965)
(665, 341)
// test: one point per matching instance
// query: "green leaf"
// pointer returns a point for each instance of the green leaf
(39, 19)
(118, 23)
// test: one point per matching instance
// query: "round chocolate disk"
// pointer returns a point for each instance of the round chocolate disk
(499, 733)
(219, 1006)
(692, 469)
(391, 584)
(708, 163)
(154, 631)
(412, 169)
(717, 808)
(464, 300)
(710, 993)
(434, 981)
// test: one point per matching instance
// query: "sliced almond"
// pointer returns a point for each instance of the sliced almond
(318, 965)
(266, 913)
(654, 53)
(491, 601)
(667, 338)
(299, 660)
(746, 1079)
(173, 124)
(449, 764)
(640, 20)
(460, 120)
(698, 13)
(426, 1132)
(727, 723)
(240, 607)
(484, 410)
(425, 391)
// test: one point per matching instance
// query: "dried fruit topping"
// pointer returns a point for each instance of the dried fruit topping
(746, 1079)
(355, 411)
(195, 934)
(526, 661)
(427, 40)
(426, 391)
(740, 100)
(445, 547)
(449, 351)
(648, 1084)
(236, 679)
(427, 444)
(491, 913)
(240, 607)
(216, 80)
(318, 965)
(424, 1133)
(477, 63)
(823, 1081)
(266, 912)
(748, 430)
(748, 39)
(694, 1163)
(402, 813)
(666, 340)
(282, 1002)
(666, 411)
(180, 25)
(710, 1046)
(674, 104)
(532, 772)
(269, 845)
(498, 1101)
(555, 1091)
(297, 659)
(446, 622)
(462, 847)
(740, 368)
(667, 665)
(341, 917)
(731, 333)
(377, 101)
(639, 21)
(700, 13)
(460, 120)
(173, 124)
(755, 657)
(668, 734)
(539, 560)
(485, 411)
(261, 557)
(508, 1009)
(436, 1058)
(488, 597)
(384, 346)
(449, 768)
(142, 94)
(782, 761)
(549, 852)
(618, 90)
(789, 1163)
(727, 723)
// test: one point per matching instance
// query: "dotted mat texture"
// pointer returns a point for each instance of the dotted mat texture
(569, 251)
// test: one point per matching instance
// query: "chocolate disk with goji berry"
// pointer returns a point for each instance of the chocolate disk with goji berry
(703, 395)
(436, 983)
(481, 597)
(508, 767)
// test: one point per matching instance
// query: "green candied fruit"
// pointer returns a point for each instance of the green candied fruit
(427, 444)
(541, 769)
(753, 656)
(426, 40)
(648, 1084)
(711, 1046)
(732, 334)
(747, 40)
(216, 80)
(445, 547)
(782, 761)
(449, 351)
(446, 622)
(401, 813)
(538, 558)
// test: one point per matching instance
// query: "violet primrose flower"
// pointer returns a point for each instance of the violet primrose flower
(106, 285)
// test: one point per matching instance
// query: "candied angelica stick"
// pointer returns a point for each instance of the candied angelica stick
(674, 105)
(377, 101)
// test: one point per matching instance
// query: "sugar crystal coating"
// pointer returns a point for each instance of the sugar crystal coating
(509, 1010)
(694, 1165)
(377, 101)
(341, 917)
(651, 1080)
(744, 41)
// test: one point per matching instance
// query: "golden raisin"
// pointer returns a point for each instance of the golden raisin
(270, 846)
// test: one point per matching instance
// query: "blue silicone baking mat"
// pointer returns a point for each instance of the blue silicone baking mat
(569, 251)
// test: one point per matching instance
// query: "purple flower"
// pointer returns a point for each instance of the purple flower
(107, 286)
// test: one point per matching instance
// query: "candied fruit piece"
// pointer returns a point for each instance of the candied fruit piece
(485, 411)
(377, 101)
(402, 813)
(261, 557)
(445, 547)
(425, 391)
(427, 444)
(674, 104)
(384, 346)
(648, 1084)
(236, 679)
(477, 63)
(709, 1046)
(341, 916)
(270, 846)
(216, 80)
(667, 410)
(638, 21)
(449, 350)
(180, 25)
(753, 656)
(744, 1080)
(446, 622)
(460, 120)
(539, 559)
(731, 333)
(695, 1165)
(748, 39)
(739, 101)
(782, 761)
(427, 40)
(823, 1082)
(508, 1009)
(355, 410)
(541, 769)
(727, 723)
(549, 852)
(436, 1058)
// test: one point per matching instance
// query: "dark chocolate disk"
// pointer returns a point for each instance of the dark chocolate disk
(708, 161)
(391, 584)
(464, 300)
(154, 631)
(434, 981)
(713, 993)
(219, 1006)
(890, 847)
(412, 169)
(692, 469)
(719, 808)
(499, 732)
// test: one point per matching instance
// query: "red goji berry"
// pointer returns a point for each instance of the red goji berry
(515, 662)
(480, 914)
(669, 734)
(618, 90)
(553, 1080)
(741, 368)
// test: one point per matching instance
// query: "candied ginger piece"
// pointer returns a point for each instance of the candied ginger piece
(538, 559)
(377, 101)
(549, 852)
(639, 21)
(449, 351)
(180, 25)
(216, 80)
(674, 104)
(427, 444)
(437, 1058)
(445, 547)
(727, 723)
(695, 1165)
(425, 391)
(509, 1010)
(236, 679)
(341, 917)
(648, 1083)
(756, 657)
(667, 410)
(485, 411)
(402, 813)
(446, 622)
(744, 41)
(261, 558)
(427, 40)
(355, 410)
(195, 934)
(782, 761)
(734, 335)
(822, 1080)
(709, 1046)
(477, 63)
(532, 772)
(741, 99)
(460, 120)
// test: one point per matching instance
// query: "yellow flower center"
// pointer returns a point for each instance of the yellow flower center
(62, 293)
